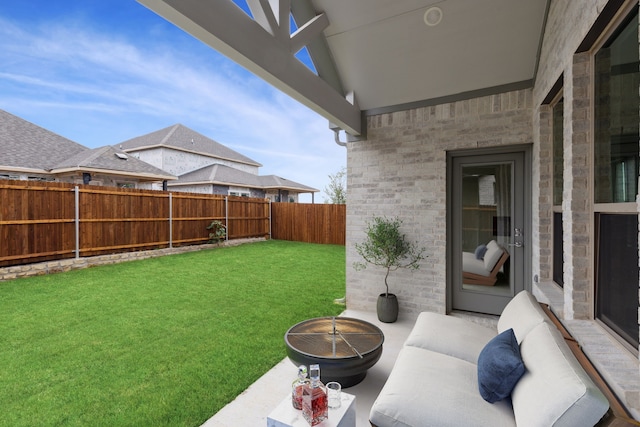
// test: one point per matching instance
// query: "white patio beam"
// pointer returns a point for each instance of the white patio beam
(308, 32)
(226, 28)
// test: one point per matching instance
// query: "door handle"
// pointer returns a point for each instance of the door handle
(516, 244)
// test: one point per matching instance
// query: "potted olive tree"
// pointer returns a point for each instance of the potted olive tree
(387, 247)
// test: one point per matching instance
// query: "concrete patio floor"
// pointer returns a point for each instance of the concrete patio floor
(252, 407)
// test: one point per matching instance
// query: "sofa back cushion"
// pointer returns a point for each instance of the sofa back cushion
(522, 314)
(554, 390)
(492, 255)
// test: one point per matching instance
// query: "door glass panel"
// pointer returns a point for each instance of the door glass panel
(486, 229)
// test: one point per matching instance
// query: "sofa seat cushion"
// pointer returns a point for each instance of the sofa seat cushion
(427, 388)
(450, 335)
(555, 390)
(499, 367)
(522, 314)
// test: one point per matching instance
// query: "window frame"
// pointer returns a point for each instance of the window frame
(614, 27)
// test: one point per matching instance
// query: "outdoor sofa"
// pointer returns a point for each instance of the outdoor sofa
(435, 380)
(482, 266)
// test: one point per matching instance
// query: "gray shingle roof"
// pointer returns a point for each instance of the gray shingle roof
(225, 175)
(273, 181)
(107, 158)
(181, 137)
(26, 145)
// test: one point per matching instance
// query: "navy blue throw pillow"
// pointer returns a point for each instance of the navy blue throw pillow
(500, 367)
(480, 251)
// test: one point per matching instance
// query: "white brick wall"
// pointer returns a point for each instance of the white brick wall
(401, 170)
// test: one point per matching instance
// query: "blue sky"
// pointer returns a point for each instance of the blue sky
(101, 72)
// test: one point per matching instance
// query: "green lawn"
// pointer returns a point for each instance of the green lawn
(160, 342)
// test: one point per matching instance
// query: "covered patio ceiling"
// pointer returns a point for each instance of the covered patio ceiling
(373, 56)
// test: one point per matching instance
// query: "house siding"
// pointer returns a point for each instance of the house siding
(178, 162)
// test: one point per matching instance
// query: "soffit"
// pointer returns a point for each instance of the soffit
(386, 54)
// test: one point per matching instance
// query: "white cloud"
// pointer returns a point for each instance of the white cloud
(70, 70)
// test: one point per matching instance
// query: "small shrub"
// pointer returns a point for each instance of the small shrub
(218, 231)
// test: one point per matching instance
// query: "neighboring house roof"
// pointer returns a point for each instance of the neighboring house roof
(114, 161)
(182, 138)
(225, 175)
(27, 147)
(274, 182)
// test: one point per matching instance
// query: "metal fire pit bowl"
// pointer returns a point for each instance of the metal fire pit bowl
(345, 348)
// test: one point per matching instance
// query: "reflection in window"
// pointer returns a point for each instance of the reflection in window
(617, 105)
(486, 204)
(616, 117)
(558, 187)
(617, 302)
(558, 152)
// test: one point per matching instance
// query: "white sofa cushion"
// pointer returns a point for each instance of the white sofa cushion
(555, 390)
(450, 335)
(426, 388)
(521, 314)
(493, 254)
(470, 264)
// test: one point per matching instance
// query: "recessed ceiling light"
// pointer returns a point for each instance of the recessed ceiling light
(433, 16)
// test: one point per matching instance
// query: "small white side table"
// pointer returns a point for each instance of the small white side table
(286, 416)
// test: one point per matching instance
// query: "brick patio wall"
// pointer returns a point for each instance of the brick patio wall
(567, 25)
(401, 170)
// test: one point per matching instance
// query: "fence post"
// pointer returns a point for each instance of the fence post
(76, 191)
(170, 220)
(226, 217)
(270, 219)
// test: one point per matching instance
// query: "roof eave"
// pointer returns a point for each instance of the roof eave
(23, 169)
(137, 175)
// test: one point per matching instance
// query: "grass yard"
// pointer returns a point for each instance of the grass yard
(160, 342)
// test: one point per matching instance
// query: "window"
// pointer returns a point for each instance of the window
(615, 177)
(616, 117)
(618, 274)
(558, 151)
(239, 194)
(558, 187)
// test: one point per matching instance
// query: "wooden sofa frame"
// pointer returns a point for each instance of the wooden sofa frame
(490, 280)
(617, 415)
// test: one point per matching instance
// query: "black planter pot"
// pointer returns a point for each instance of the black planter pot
(387, 308)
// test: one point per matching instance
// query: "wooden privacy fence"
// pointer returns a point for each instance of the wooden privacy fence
(44, 221)
(49, 220)
(309, 223)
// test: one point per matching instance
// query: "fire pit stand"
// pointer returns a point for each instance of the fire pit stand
(344, 347)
